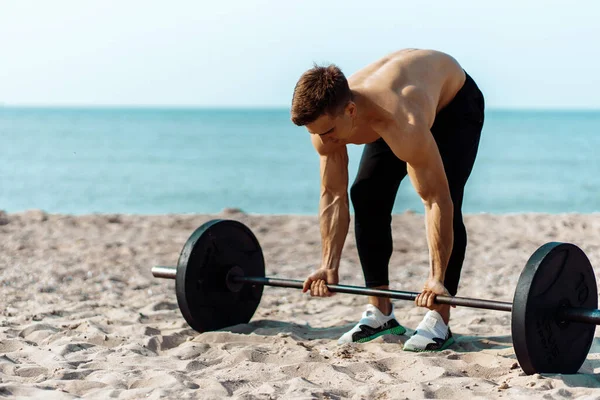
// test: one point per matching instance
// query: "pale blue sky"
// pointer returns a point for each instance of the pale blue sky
(523, 54)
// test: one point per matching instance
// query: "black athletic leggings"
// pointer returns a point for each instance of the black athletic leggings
(456, 129)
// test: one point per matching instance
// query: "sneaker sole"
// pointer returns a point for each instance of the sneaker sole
(398, 330)
(446, 344)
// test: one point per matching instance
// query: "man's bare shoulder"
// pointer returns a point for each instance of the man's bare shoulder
(327, 148)
(406, 136)
(398, 109)
(411, 81)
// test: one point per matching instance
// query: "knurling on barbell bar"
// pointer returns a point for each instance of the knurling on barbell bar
(220, 276)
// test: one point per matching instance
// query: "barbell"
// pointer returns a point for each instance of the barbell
(220, 275)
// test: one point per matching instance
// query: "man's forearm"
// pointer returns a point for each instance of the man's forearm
(440, 236)
(334, 218)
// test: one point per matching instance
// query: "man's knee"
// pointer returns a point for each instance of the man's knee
(458, 223)
(359, 194)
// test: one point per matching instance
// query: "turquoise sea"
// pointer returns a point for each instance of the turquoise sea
(158, 161)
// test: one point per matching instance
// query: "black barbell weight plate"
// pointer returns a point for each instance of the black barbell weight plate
(556, 275)
(205, 300)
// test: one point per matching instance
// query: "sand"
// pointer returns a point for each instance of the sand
(82, 316)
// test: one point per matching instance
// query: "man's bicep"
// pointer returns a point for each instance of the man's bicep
(426, 171)
(334, 165)
(334, 171)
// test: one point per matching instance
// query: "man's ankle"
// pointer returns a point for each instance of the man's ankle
(445, 314)
(384, 307)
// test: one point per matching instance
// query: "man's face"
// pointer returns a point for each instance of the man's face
(333, 129)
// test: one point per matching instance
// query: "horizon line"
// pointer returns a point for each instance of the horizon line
(248, 107)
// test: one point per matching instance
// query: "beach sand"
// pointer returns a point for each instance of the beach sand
(82, 316)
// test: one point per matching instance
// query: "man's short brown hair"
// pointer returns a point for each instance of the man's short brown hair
(320, 90)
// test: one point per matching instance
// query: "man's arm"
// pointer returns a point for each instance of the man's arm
(334, 215)
(426, 172)
(415, 145)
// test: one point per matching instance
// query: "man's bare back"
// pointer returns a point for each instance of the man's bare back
(409, 78)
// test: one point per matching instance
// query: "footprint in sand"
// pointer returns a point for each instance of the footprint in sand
(30, 371)
(165, 342)
(195, 366)
(37, 332)
(70, 348)
(72, 375)
(8, 346)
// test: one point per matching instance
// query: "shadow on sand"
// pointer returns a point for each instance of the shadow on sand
(463, 344)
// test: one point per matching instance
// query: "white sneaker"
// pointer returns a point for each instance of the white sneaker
(372, 325)
(432, 334)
